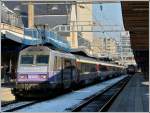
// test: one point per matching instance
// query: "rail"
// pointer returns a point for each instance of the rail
(101, 101)
(17, 105)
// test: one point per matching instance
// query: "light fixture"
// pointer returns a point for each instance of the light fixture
(140, 9)
(55, 7)
(3, 4)
(17, 8)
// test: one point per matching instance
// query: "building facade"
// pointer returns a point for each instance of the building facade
(105, 47)
(81, 14)
(127, 56)
(111, 47)
(98, 46)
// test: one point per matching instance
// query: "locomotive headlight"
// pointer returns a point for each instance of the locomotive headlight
(22, 76)
(43, 76)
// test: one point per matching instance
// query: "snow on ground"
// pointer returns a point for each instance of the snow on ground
(61, 103)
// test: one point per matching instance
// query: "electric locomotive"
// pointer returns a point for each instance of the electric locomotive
(43, 69)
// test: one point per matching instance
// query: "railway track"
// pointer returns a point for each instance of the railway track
(106, 96)
(101, 101)
(17, 104)
(3, 104)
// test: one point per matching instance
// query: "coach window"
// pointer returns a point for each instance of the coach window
(103, 68)
(27, 59)
(82, 68)
(113, 69)
(93, 68)
(87, 67)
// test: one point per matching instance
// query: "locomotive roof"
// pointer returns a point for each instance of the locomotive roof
(80, 55)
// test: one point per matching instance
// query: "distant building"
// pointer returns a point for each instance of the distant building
(82, 42)
(104, 47)
(111, 47)
(85, 15)
(98, 47)
(125, 49)
(81, 15)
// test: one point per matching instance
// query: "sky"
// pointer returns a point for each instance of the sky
(108, 14)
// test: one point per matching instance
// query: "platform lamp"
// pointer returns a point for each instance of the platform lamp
(17, 8)
(55, 7)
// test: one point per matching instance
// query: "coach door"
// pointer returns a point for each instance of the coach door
(57, 71)
(67, 72)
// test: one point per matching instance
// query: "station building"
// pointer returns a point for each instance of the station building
(23, 14)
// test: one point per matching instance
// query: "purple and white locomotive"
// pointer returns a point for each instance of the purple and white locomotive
(41, 68)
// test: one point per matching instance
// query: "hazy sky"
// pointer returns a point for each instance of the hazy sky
(108, 14)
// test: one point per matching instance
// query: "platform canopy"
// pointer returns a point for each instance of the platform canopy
(136, 20)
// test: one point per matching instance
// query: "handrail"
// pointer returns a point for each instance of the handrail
(87, 28)
(5, 26)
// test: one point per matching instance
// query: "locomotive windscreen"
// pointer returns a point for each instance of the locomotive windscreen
(27, 59)
(42, 59)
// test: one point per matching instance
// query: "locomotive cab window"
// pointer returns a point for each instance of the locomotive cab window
(27, 59)
(42, 59)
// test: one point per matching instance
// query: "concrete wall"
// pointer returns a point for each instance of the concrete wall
(84, 13)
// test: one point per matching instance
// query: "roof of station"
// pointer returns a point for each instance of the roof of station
(136, 20)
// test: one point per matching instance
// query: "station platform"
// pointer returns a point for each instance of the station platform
(134, 97)
(6, 95)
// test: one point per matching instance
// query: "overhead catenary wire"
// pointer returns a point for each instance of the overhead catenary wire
(96, 21)
(109, 21)
(99, 24)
